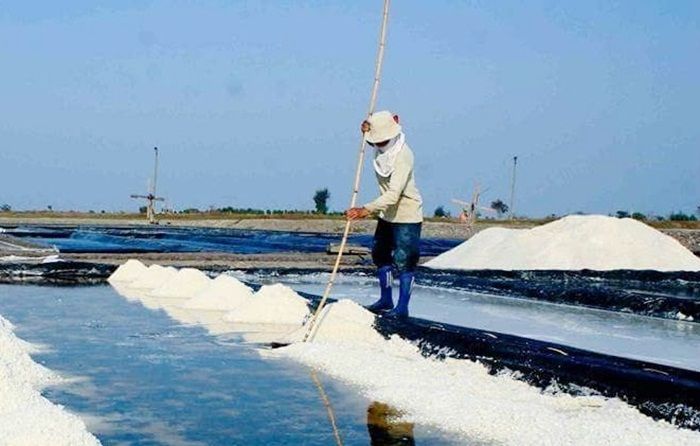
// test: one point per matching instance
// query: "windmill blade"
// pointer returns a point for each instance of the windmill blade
(460, 202)
(158, 199)
(139, 196)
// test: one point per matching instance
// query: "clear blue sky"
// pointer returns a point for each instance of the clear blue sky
(256, 104)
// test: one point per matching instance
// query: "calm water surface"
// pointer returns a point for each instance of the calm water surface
(144, 379)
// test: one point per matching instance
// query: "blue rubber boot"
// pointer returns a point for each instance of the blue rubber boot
(405, 288)
(385, 301)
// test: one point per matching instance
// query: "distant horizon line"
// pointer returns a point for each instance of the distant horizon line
(228, 210)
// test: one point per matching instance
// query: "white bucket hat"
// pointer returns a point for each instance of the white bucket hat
(383, 126)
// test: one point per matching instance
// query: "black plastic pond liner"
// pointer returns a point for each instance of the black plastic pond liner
(647, 293)
(56, 273)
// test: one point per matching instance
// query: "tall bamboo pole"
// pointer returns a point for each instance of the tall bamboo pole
(358, 173)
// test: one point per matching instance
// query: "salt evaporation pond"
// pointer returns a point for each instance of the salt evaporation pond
(169, 239)
(144, 378)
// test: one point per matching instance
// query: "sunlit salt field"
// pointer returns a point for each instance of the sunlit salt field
(140, 377)
(179, 264)
(145, 370)
(166, 355)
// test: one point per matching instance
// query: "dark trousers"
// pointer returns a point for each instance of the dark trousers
(397, 245)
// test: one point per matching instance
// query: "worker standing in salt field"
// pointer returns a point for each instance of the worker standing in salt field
(399, 209)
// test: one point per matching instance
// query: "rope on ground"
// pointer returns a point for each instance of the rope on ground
(358, 173)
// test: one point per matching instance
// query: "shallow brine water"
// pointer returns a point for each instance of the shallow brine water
(169, 239)
(142, 378)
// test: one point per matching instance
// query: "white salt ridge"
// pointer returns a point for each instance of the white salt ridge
(165, 288)
(575, 242)
(272, 304)
(153, 277)
(183, 285)
(26, 417)
(461, 397)
(224, 293)
(128, 271)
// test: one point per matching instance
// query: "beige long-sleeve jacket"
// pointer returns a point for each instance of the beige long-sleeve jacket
(400, 201)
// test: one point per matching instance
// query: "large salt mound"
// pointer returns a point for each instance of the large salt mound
(127, 272)
(223, 293)
(153, 277)
(576, 242)
(184, 285)
(272, 304)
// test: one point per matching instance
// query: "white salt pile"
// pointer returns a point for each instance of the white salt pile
(344, 321)
(128, 272)
(272, 304)
(224, 293)
(184, 285)
(575, 242)
(26, 417)
(155, 286)
(153, 277)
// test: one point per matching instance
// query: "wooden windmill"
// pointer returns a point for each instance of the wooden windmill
(151, 197)
(471, 210)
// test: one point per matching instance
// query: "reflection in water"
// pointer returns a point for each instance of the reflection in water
(384, 429)
(327, 405)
